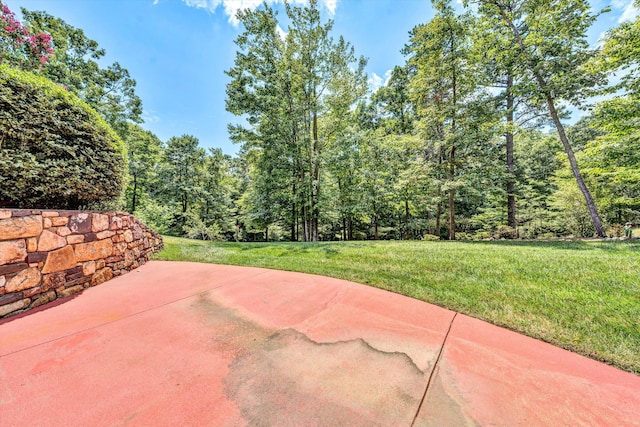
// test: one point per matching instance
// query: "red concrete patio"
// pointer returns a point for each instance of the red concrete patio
(176, 344)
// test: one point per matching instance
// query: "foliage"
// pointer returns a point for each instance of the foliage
(453, 119)
(615, 230)
(550, 46)
(296, 92)
(522, 286)
(323, 159)
(573, 217)
(143, 149)
(76, 66)
(197, 229)
(179, 188)
(612, 159)
(621, 52)
(18, 46)
(56, 151)
(430, 237)
(505, 232)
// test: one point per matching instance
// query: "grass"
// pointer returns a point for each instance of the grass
(583, 296)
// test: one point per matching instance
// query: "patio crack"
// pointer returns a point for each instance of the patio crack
(435, 366)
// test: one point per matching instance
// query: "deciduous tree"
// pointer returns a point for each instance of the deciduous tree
(552, 49)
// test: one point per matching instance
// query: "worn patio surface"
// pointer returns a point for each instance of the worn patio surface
(177, 343)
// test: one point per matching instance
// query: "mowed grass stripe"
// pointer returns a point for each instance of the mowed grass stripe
(583, 296)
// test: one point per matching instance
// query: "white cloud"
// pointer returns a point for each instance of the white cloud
(150, 117)
(330, 5)
(203, 4)
(375, 82)
(387, 76)
(629, 11)
(231, 7)
(282, 33)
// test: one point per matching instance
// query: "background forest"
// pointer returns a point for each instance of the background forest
(466, 140)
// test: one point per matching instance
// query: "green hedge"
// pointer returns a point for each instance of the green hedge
(55, 150)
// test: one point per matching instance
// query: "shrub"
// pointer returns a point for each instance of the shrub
(199, 230)
(545, 236)
(430, 237)
(482, 235)
(505, 232)
(55, 151)
(463, 236)
(616, 230)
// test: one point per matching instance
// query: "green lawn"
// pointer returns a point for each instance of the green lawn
(583, 296)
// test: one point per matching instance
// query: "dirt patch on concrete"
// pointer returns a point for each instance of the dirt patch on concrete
(284, 378)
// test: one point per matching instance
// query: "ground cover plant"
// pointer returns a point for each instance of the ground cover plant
(580, 295)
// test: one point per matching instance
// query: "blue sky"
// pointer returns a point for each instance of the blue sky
(178, 50)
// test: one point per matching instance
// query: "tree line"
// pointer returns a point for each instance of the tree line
(467, 139)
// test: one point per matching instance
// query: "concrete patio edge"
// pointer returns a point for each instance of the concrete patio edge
(200, 344)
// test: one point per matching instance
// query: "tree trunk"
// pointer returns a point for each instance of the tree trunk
(406, 219)
(452, 215)
(591, 205)
(452, 157)
(376, 234)
(315, 188)
(305, 224)
(266, 234)
(344, 228)
(438, 214)
(135, 191)
(294, 218)
(452, 194)
(511, 180)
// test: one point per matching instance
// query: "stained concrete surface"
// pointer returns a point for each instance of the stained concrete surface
(196, 344)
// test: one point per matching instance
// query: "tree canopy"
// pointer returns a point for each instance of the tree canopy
(469, 138)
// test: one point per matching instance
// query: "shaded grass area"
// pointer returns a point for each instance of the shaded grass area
(583, 296)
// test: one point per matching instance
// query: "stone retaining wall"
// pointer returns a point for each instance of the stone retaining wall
(46, 254)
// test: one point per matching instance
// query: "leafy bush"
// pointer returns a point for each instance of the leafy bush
(430, 237)
(547, 236)
(155, 215)
(464, 236)
(505, 232)
(55, 151)
(616, 230)
(197, 229)
(482, 235)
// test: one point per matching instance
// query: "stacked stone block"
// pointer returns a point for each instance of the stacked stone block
(46, 255)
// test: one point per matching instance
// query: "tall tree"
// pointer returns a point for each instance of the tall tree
(498, 58)
(261, 89)
(550, 38)
(181, 170)
(75, 65)
(295, 91)
(445, 91)
(345, 164)
(143, 152)
(393, 98)
(612, 159)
